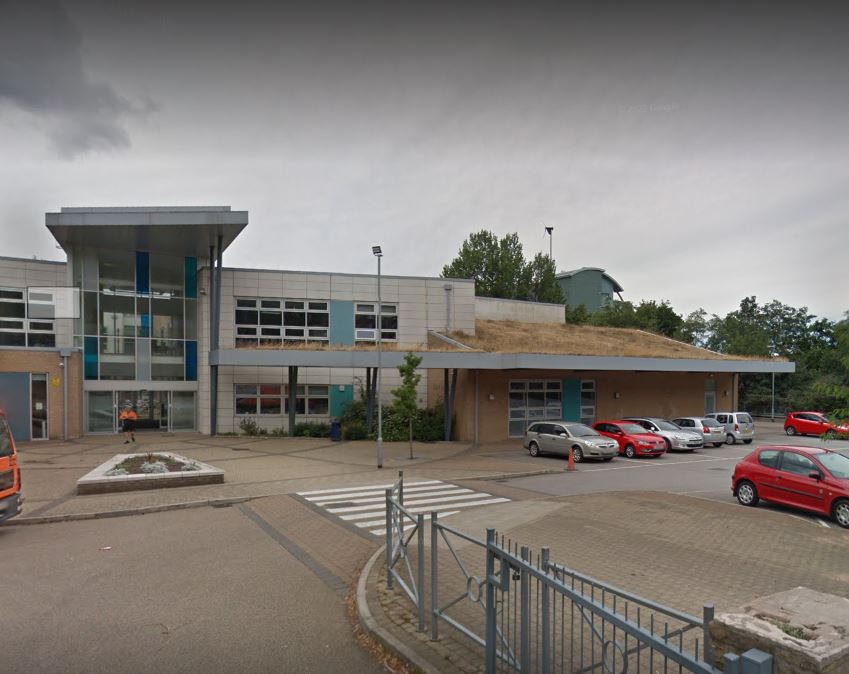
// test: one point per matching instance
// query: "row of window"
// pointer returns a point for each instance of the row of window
(273, 399)
(261, 322)
(26, 318)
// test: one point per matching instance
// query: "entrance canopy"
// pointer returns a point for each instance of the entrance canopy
(186, 231)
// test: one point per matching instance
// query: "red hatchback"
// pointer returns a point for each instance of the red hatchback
(632, 438)
(811, 423)
(810, 478)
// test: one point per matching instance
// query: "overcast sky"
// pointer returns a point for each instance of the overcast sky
(697, 154)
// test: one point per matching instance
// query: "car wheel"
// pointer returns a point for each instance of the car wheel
(630, 452)
(730, 439)
(668, 445)
(747, 442)
(577, 454)
(717, 444)
(840, 511)
(790, 430)
(534, 449)
(747, 494)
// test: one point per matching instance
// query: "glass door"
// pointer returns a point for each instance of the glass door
(38, 404)
(182, 410)
(101, 412)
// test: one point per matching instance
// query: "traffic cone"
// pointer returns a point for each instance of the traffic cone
(571, 464)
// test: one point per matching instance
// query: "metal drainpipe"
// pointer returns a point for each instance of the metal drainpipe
(65, 366)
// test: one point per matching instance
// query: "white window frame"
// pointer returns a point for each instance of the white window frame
(305, 392)
(264, 334)
(27, 328)
(535, 414)
(388, 311)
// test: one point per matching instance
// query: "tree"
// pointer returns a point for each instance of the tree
(405, 404)
(499, 269)
(694, 329)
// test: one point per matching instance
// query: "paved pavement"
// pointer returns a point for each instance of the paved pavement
(260, 585)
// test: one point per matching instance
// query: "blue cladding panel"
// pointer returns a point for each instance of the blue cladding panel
(142, 272)
(571, 400)
(341, 322)
(338, 399)
(15, 400)
(191, 280)
(90, 350)
(191, 360)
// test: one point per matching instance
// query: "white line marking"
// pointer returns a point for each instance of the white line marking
(329, 498)
(381, 499)
(823, 523)
(421, 501)
(655, 464)
(371, 486)
(425, 509)
(374, 523)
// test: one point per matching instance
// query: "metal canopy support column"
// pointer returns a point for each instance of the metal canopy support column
(369, 399)
(293, 397)
(216, 330)
(445, 415)
(449, 393)
(772, 414)
(477, 407)
(213, 370)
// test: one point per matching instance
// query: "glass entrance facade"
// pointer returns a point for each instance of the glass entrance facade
(532, 400)
(164, 411)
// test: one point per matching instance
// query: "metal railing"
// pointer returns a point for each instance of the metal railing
(530, 614)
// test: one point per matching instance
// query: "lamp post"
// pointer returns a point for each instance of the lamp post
(378, 253)
(549, 231)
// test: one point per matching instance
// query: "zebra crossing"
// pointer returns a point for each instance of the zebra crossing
(365, 507)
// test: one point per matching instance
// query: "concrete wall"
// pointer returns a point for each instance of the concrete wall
(47, 361)
(665, 395)
(516, 310)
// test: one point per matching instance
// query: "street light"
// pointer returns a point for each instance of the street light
(378, 253)
(549, 231)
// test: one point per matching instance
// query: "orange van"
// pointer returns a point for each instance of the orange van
(10, 473)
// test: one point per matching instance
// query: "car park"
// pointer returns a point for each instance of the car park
(809, 478)
(712, 431)
(811, 423)
(560, 437)
(633, 439)
(675, 436)
(739, 426)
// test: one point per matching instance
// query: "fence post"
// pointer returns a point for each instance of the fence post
(707, 618)
(545, 552)
(420, 576)
(491, 617)
(434, 579)
(389, 549)
(526, 612)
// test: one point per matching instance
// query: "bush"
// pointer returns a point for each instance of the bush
(249, 426)
(354, 430)
(312, 429)
(278, 432)
(427, 426)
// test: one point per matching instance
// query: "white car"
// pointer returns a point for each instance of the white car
(712, 431)
(738, 426)
(675, 436)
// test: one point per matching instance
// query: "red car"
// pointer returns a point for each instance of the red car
(810, 478)
(811, 423)
(633, 439)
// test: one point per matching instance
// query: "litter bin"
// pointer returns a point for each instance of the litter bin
(336, 431)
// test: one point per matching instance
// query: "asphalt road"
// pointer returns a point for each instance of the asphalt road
(705, 473)
(201, 590)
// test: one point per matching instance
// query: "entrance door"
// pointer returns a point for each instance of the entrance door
(38, 403)
(710, 402)
(531, 401)
(151, 406)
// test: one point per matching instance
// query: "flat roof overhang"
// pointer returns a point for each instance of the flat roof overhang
(174, 230)
(490, 361)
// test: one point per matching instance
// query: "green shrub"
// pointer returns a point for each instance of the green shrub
(354, 430)
(249, 426)
(312, 429)
(427, 426)
(278, 432)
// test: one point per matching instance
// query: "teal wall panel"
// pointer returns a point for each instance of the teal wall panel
(341, 322)
(571, 400)
(338, 399)
(15, 400)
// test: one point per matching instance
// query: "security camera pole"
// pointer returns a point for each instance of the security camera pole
(378, 253)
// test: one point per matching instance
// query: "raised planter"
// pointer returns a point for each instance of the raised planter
(98, 482)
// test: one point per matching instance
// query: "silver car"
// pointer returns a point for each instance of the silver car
(712, 431)
(675, 436)
(558, 437)
(738, 426)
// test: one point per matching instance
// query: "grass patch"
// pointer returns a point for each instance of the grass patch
(787, 628)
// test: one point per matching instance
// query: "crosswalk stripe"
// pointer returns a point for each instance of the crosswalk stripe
(327, 498)
(364, 506)
(371, 486)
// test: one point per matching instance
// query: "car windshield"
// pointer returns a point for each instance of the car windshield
(837, 464)
(5, 438)
(632, 428)
(710, 423)
(667, 426)
(581, 431)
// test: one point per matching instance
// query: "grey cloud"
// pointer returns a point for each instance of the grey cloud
(42, 72)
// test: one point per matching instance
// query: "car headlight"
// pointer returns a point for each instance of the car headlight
(644, 444)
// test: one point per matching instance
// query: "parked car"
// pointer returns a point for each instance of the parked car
(809, 478)
(675, 436)
(558, 438)
(712, 431)
(738, 426)
(811, 423)
(633, 439)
